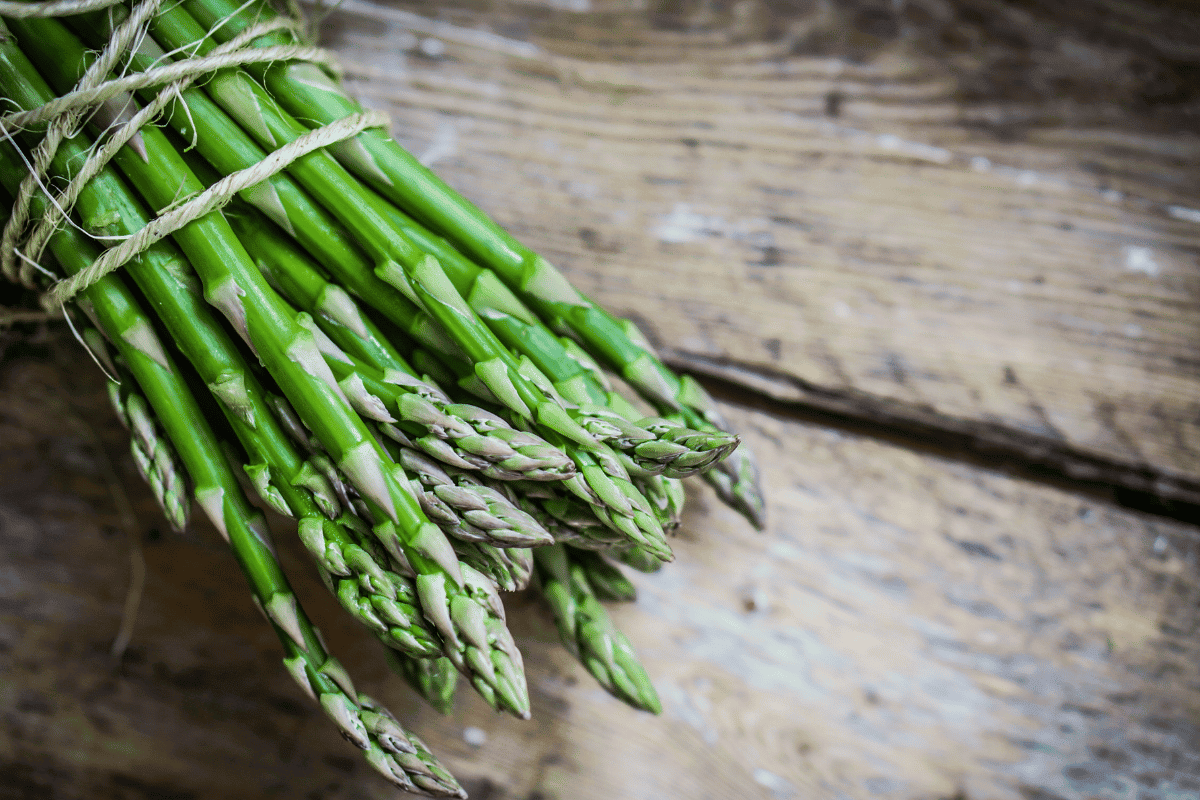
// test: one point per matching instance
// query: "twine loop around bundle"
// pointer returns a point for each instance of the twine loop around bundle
(23, 241)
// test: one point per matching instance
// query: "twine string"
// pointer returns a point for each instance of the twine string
(20, 250)
(212, 199)
(235, 48)
(52, 8)
(58, 130)
(65, 126)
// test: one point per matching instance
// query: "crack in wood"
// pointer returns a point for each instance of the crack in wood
(985, 445)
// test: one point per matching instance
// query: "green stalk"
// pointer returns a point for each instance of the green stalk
(510, 568)
(575, 375)
(196, 118)
(369, 727)
(420, 277)
(459, 434)
(638, 558)
(656, 445)
(379, 598)
(667, 497)
(349, 562)
(477, 637)
(566, 518)
(462, 435)
(487, 514)
(156, 459)
(601, 480)
(397, 260)
(469, 509)
(434, 679)
(303, 282)
(588, 632)
(312, 96)
(300, 281)
(463, 506)
(606, 580)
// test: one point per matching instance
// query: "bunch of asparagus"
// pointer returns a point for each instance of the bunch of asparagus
(353, 342)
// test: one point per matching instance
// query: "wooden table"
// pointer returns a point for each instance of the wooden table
(940, 263)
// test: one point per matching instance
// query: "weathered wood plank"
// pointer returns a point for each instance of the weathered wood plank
(909, 627)
(780, 196)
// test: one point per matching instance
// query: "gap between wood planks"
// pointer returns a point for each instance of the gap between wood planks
(979, 444)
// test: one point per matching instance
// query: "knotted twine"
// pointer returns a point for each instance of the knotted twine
(21, 244)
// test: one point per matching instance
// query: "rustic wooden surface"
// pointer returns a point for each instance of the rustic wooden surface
(974, 226)
(997, 239)
(909, 627)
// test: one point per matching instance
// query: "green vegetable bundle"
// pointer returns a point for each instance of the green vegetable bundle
(290, 306)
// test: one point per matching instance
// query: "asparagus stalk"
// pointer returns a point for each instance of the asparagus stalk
(350, 564)
(603, 482)
(463, 506)
(510, 568)
(461, 435)
(606, 580)
(461, 606)
(302, 283)
(587, 631)
(672, 447)
(469, 509)
(564, 516)
(398, 261)
(434, 679)
(666, 496)
(197, 119)
(310, 95)
(387, 747)
(156, 459)
(637, 558)
(384, 601)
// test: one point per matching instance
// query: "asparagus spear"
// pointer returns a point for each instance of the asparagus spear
(460, 605)
(463, 506)
(564, 516)
(678, 450)
(156, 459)
(467, 439)
(436, 781)
(398, 261)
(301, 282)
(606, 580)
(666, 496)
(311, 96)
(602, 483)
(510, 568)
(399, 757)
(384, 601)
(469, 509)
(381, 617)
(587, 631)
(434, 679)
(197, 119)
(350, 564)
(637, 558)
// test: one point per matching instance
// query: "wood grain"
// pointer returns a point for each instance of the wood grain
(970, 218)
(998, 240)
(909, 627)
